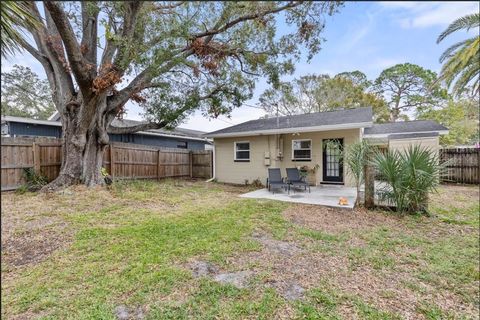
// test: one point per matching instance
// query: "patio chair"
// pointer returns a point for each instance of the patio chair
(295, 180)
(275, 180)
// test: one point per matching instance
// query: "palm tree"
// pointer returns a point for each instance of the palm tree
(14, 16)
(462, 60)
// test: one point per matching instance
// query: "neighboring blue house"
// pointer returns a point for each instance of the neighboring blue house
(177, 138)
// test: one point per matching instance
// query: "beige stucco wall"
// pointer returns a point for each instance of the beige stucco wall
(403, 144)
(226, 170)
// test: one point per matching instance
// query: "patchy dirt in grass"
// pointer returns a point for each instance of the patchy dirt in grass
(238, 279)
(288, 290)
(125, 313)
(335, 221)
(202, 269)
(282, 248)
(458, 196)
(296, 265)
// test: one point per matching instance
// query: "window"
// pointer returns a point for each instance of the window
(302, 150)
(182, 144)
(242, 151)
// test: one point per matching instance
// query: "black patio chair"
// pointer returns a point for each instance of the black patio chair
(295, 180)
(275, 180)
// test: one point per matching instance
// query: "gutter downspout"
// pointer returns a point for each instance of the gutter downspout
(213, 163)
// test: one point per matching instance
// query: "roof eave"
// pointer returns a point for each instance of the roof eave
(385, 135)
(291, 130)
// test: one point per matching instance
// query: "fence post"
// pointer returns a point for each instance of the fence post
(158, 164)
(112, 166)
(210, 152)
(36, 157)
(369, 174)
(190, 162)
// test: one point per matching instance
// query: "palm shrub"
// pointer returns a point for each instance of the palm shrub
(410, 175)
(356, 157)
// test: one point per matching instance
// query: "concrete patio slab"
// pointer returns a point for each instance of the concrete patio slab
(325, 195)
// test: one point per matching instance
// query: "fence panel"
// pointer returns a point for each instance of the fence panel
(463, 165)
(121, 160)
(15, 158)
(50, 159)
(202, 164)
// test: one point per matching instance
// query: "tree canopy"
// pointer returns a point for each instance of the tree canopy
(318, 93)
(460, 116)
(24, 94)
(408, 86)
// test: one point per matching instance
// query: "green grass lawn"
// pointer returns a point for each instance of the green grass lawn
(81, 254)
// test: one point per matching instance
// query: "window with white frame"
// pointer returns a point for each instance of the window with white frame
(302, 149)
(242, 151)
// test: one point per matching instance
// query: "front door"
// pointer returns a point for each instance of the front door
(332, 160)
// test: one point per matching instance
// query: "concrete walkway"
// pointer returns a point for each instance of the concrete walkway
(325, 195)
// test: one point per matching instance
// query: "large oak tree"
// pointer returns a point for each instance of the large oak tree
(172, 57)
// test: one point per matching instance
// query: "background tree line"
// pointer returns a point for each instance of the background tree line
(401, 92)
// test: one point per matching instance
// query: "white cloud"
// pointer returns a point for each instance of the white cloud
(428, 14)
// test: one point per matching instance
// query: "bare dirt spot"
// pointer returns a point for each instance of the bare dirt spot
(277, 247)
(238, 279)
(288, 290)
(125, 313)
(202, 269)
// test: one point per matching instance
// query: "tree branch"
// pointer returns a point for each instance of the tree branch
(234, 22)
(132, 10)
(61, 82)
(136, 128)
(90, 29)
(77, 62)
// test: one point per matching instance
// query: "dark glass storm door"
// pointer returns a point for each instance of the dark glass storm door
(332, 160)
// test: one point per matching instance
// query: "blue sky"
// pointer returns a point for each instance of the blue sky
(365, 36)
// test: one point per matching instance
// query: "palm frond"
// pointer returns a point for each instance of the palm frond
(465, 22)
(15, 15)
(466, 77)
(450, 50)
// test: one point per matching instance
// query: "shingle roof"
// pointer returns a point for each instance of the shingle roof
(404, 127)
(182, 132)
(318, 119)
(412, 135)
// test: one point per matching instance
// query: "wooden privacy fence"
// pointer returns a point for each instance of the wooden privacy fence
(122, 161)
(463, 165)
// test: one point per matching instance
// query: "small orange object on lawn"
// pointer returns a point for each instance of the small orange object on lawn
(343, 201)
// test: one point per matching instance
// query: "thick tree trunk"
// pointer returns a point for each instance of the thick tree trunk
(83, 150)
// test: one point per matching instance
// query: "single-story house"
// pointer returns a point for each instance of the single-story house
(242, 153)
(176, 138)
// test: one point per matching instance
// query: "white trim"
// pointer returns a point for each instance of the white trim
(54, 116)
(385, 135)
(291, 130)
(302, 159)
(235, 151)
